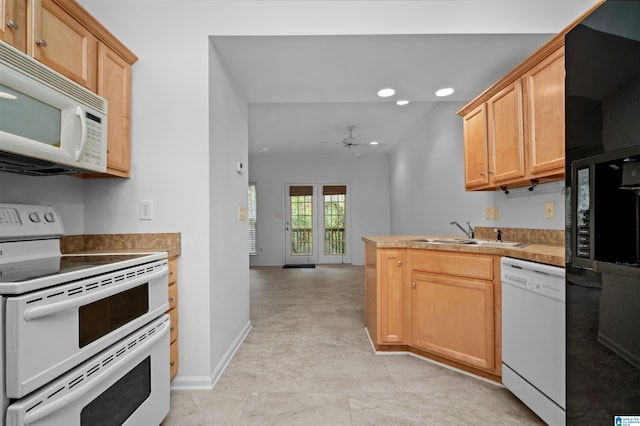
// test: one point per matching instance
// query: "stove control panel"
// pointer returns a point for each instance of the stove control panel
(24, 221)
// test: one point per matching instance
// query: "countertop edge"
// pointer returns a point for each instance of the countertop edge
(535, 252)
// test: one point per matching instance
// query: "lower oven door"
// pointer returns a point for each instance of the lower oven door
(50, 331)
(127, 384)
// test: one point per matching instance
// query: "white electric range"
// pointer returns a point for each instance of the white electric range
(85, 340)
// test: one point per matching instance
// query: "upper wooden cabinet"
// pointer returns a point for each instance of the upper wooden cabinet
(64, 44)
(544, 87)
(14, 25)
(64, 36)
(522, 130)
(114, 84)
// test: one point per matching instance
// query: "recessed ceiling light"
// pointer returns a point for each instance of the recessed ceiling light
(444, 92)
(385, 93)
(373, 143)
(402, 102)
(265, 149)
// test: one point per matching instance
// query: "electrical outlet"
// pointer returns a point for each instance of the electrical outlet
(549, 210)
(145, 210)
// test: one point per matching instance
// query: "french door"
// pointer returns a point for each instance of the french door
(316, 224)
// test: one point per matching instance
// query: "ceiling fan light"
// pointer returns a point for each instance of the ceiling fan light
(402, 102)
(373, 143)
(386, 92)
(444, 92)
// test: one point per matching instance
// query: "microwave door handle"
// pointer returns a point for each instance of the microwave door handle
(39, 413)
(83, 124)
(37, 312)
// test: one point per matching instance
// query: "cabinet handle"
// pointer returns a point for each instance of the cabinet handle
(13, 25)
(399, 262)
(491, 172)
(171, 299)
(170, 272)
(172, 363)
(413, 285)
(41, 42)
(482, 173)
(171, 328)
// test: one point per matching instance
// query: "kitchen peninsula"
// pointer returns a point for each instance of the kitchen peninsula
(440, 298)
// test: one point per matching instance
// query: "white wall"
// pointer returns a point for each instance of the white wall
(66, 193)
(368, 180)
(173, 150)
(228, 243)
(427, 185)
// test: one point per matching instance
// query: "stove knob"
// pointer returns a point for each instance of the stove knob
(49, 217)
(34, 217)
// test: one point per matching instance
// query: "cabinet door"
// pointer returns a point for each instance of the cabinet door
(13, 23)
(63, 44)
(506, 134)
(391, 296)
(454, 318)
(476, 158)
(114, 84)
(545, 105)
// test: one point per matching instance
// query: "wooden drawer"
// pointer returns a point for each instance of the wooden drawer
(173, 359)
(173, 296)
(451, 263)
(173, 270)
(173, 313)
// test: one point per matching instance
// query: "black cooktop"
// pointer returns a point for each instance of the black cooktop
(32, 269)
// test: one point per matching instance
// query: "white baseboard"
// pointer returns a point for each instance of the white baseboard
(208, 382)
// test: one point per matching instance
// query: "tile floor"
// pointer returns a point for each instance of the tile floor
(308, 361)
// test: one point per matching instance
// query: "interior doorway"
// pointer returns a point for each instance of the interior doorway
(317, 224)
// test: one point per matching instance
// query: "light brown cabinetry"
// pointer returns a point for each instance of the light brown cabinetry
(64, 44)
(438, 304)
(173, 314)
(453, 312)
(385, 295)
(114, 84)
(64, 36)
(14, 25)
(514, 131)
(544, 85)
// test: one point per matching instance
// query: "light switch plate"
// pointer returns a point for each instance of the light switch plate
(549, 210)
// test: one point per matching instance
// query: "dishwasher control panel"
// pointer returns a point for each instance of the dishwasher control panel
(539, 278)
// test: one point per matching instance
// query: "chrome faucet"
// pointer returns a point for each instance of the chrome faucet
(468, 232)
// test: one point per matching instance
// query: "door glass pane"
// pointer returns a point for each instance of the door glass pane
(334, 224)
(301, 225)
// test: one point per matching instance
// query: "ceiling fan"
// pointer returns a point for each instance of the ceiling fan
(351, 141)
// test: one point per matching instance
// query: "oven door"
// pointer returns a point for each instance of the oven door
(50, 331)
(127, 384)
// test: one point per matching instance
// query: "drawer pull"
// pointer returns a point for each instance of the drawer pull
(171, 328)
(41, 42)
(171, 299)
(172, 363)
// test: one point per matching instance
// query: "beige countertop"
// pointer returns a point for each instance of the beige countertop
(535, 252)
(122, 243)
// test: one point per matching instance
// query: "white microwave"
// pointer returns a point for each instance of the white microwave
(49, 125)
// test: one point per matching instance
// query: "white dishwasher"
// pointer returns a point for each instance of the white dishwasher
(533, 336)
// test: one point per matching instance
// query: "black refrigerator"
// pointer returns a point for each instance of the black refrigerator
(602, 111)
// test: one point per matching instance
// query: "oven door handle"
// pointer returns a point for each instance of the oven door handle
(37, 312)
(38, 414)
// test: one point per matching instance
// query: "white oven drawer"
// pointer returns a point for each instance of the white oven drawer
(126, 384)
(50, 331)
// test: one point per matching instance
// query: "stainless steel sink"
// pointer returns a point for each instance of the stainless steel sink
(471, 241)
